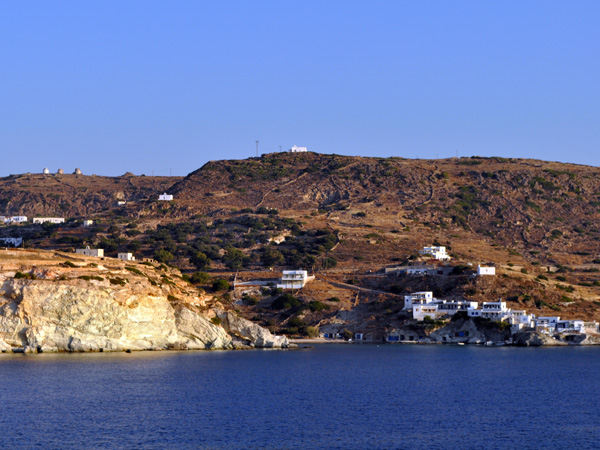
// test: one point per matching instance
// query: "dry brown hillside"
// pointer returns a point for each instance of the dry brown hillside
(537, 221)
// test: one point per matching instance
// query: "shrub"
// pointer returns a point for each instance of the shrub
(286, 301)
(199, 278)
(296, 322)
(317, 306)
(163, 256)
(333, 299)
(215, 320)
(311, 332)
(347, 334)
(69, 264)
(220, 285)
(330, 263)
(118, 281)
(21, 275)
(134, 270)
(200, 260)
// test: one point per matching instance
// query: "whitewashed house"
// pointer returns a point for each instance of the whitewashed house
(165, 197)
(547, 323)
(425, 310)
(126, 256)
(46, 171)
(491, 310)
(570, 326)
(88, 223)
(485, 270)
(450, 308)
(417, 298)
(438, 253)
(98, 252)
(440, 308)
(48, 219)
(16, 219)
(296, 149)
(294, 279)
(15, 242)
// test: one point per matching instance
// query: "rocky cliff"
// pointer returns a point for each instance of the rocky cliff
(52, 308)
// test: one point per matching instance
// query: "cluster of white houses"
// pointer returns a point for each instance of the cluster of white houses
(22, 219)
(423, 304)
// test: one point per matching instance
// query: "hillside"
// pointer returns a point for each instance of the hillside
(70, 195)
(345, 218)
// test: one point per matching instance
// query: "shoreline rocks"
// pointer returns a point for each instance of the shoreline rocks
(46, 316)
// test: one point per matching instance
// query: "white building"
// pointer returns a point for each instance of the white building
(547, 323)
(491, 310)
(296, 149)
(417, 298)
(572, 326)
(15, 219)
(88, 223)
(48, 219)
(294, 279)
(438, 253)
(165, 197)
(15, 242)
(419, 270)
(452, 307)
(426, 310)
(99, 252)
(126, 256)
(485, 270)
(46, 170)
(440, 308)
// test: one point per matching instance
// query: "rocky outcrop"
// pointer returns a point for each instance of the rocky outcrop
(250, 333)
(535, 339)
(469, 331)
(50, 316)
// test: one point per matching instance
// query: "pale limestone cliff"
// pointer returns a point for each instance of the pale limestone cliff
(71, 316)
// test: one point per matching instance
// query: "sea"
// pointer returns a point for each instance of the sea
(335, 396)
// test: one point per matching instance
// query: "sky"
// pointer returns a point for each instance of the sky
(155, 87)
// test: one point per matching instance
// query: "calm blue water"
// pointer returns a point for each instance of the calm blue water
(332, 396)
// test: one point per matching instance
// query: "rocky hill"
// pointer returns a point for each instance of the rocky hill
(71, 195)
(60, 302)
(345, 219)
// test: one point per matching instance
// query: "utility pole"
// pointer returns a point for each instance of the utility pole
(280, 149)
(257, 148)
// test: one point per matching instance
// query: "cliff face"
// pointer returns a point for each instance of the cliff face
(59, 314)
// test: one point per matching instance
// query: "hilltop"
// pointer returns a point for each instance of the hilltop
(346, 218)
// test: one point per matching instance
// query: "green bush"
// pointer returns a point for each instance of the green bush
(286, 301)
(21, 275)
(134, 270)
(163, 256)
(220, 285)
(317, 306)
(118, 281)
(69, 264)
(215, 320)
(200, 278)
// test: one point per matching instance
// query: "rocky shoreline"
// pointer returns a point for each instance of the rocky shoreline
(47, 314)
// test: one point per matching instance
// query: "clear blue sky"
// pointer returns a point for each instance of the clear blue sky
(116, 86)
